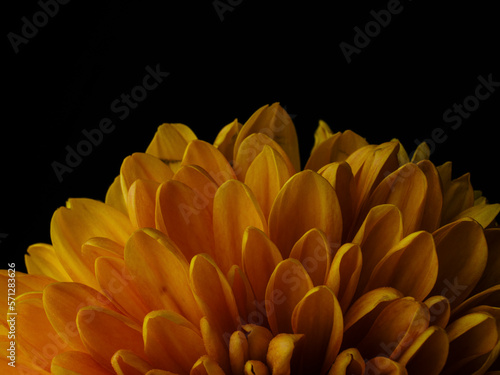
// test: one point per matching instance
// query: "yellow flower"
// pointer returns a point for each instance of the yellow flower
(227, 259)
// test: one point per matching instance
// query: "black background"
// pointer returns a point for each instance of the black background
(64, 79)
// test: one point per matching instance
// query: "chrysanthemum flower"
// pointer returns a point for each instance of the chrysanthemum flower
(226, 258)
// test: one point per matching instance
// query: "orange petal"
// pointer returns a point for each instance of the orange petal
(42, 260)
(471, 336)
(104, 332)
(127, 362)
(439, 308)
(185, 217)
(410, 267)
(145, 167)
(260, 256)
(431, 216)
(258, 338)
(274, 122)
(251, 147)
(319, 317)
(462, 254)
(406, 188)
(63, 301)
(491, 275)
(322, 133)
(216, 345)
(206, 366)
(76, 363)
(458, 197)
(344, 273)
(235, 209)
(288, 284)
(213, 294)
(324, 153)
(396, 327)
(169, 143)
(292, 215)
(254, 367)
(141, 203)
(349, 362)
(428, 353)
(280, 352)
(165, 286)
(205, 155)
(114, 196)
(116, 283)
(423, 152)
(98, 247)
(315, 254)
(226, 138)
(171, 341)
(93, 219)
(265, 177)
(363, 313)
(238, 352)
(384, 366)
(243, 294)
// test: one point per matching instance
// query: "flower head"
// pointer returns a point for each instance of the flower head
(227, 258)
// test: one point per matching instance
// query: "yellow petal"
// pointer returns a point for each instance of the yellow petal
(288, 284)
(235, 209)
(410, 267)
(395, 329)
(254, 367)
(243, 294)
(274, 122)
(169, 143)
(226, 138)
(141, 202)
(484, 213)
(98, 247)
(205, 155)
(63, 301)
(42, 260)
(315, 254)
(462, 254)
(185, 218)
(322, 133)
(206, 366)
(238, 352)
(266, 176)
(431, 216)
(260, 256)
(114, 196)
(103, 332)
(171, 341)
(423, 152)
(125, 362)
(251, 147)
(319, 317)
(458, 197)
(349, 362)
(402, 154)
(488, 297)
(213, 294)
(258, 338)
(320, 209)
(491, 275)
(74, 363)
(384, 366)
(145, 167)
(428, 353)
(363, 313)
(281, 350)
(440, 310)
(323, 153)
(165, 285)
(93, 219)
(406, 188)
(344, 273)
(216, 344)
(470, 336)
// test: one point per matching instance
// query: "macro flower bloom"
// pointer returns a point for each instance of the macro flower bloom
(226, 258)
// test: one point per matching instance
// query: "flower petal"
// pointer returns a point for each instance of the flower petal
(243, 294)
(238, 352)
(458, 197)
(226, 138)
(216, 344)
(319, 317)
(100, 246)
(171, 341)
(279, 354)
(274, 122)
(324, 153)
(169, 143)
(349, 362)
(431, 216)
(127, 362)
(114, 196)
(254, 367)
(491, 275)
(428, 353)
(462, 254)
(141, 202)
(205, 155)
(266, 176)
(440, 310)
(322, 133)
(206, 366)
(483, 213)
(385, 366)
(42, 260)
(260, 256)
(344, 273)
(74, 362)
(423, 152)
(184, 216)
(165, 285)
(258, 338)
(235, 209)
(288, 284)
(93, 219)
(320, 209)
(103, 332)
